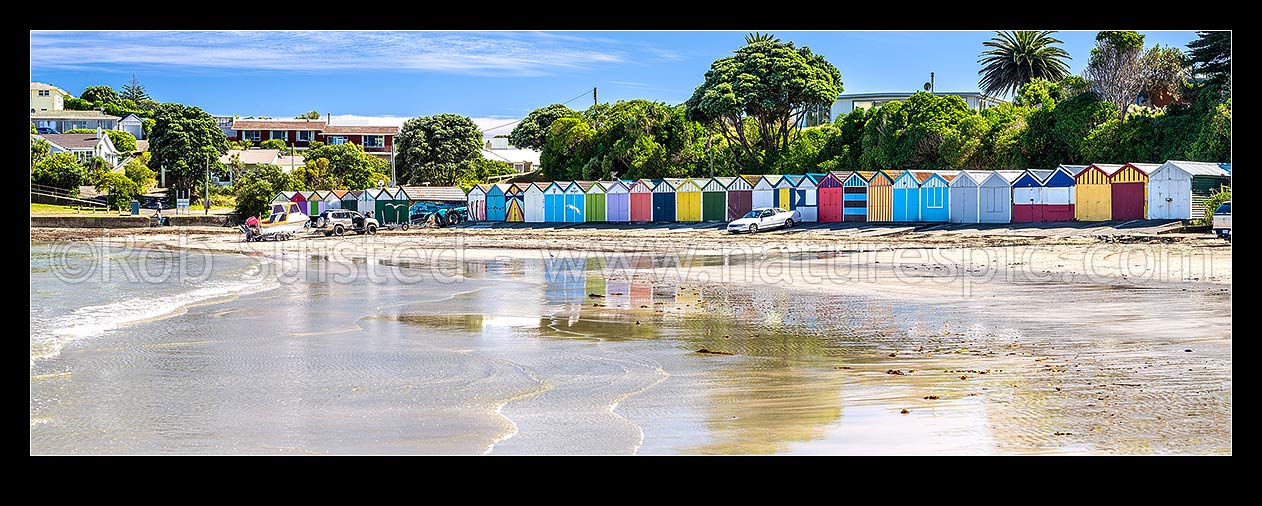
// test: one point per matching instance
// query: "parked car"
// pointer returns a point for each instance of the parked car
(46, 130)
(764, 218)
(1222, 220)
(338, 221)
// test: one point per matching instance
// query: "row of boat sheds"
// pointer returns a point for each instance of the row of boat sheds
(1097, 192)
(389, 205)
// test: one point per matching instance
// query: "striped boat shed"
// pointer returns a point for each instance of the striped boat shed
(687, 200)
(854, 197)
(880, 195)
(935, 196)
(740, 196)
(476, 202)
(714, 198)
(1128, 189)
(576, 201)
(664, 199)
(1093, 193)
(532, 205)
(765, 194)
(806, 196)
(596, 201)
(642, 200)
(617, 201)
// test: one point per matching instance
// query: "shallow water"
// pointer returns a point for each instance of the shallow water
(597, 354)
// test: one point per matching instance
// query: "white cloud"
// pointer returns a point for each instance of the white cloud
(483, 53)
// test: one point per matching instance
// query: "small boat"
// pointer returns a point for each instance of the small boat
(282, 224)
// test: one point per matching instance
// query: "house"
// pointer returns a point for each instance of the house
(46, 97)
(66, 120)
(376, 140)
(522, 160)
(976, 100)
(251, 158)
(295, 132)
(225, 123)
(133, 124)
(84, 146)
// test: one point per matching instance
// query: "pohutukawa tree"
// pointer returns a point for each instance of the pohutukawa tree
(769, 83)
(1115, 68)
(1018, 57)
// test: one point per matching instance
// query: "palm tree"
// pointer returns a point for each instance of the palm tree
(1018, 57)
(760, 37)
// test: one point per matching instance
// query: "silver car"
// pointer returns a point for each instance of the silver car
(339, 221)
(1222, 220)
(764, 218)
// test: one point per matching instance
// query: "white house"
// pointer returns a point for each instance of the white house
(522, 160)
(84, 146)
(134, 125)
(65, 120)
(976, 100)
(46, 97)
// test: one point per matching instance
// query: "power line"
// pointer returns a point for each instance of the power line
(580, 95)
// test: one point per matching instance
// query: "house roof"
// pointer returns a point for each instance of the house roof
(1073, 170)
(1107, 168)
(277, 124)
(514, 155)
(72, 141)
(903, 95)
(921, 176)
(286, 161)
(360, 130)
(435, 193)
(70, 114)
(142, 145)
(1146, 168)
(46, 86)
(251, 156)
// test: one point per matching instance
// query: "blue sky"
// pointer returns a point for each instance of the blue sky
(494, 77)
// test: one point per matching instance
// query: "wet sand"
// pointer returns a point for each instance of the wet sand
(817, 349)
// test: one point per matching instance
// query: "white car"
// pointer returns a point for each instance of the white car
(1222, 220)
(764, 218)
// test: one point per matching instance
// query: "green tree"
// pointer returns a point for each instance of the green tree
(119, 189)
(184, 139)
(531, 132)
(123, 141)
(312, 114)
(33, 130)
(136, 170)
(1163, 71)
(256, 188)
(315, 175)
(99, 95)
(437, 149)
(348, 165)
(1053, 135)
(146, 127)
(910, 134)
(1213, 141)
(77, 104)
(60, 170)
(39, 151)
(569, 148)
(273, 144)
(1210, 56)
(769, 81)
(1018, 57)
(1115, 68)
(134, 91)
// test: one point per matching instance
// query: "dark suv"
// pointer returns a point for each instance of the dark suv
(338, 221)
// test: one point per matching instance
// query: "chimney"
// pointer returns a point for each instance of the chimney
(328, 118)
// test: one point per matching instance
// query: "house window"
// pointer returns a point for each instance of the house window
(519, 167)
(278, 134)
(862, 104)
(250, 135)
(303, 136)
(337, 139)
(374, 141)
(43, 93)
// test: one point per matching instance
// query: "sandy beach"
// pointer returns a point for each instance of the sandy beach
(659, 341)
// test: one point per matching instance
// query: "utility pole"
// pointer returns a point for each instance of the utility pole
(394, 178)
(594, 101)
(206, 197)
(932, 86)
